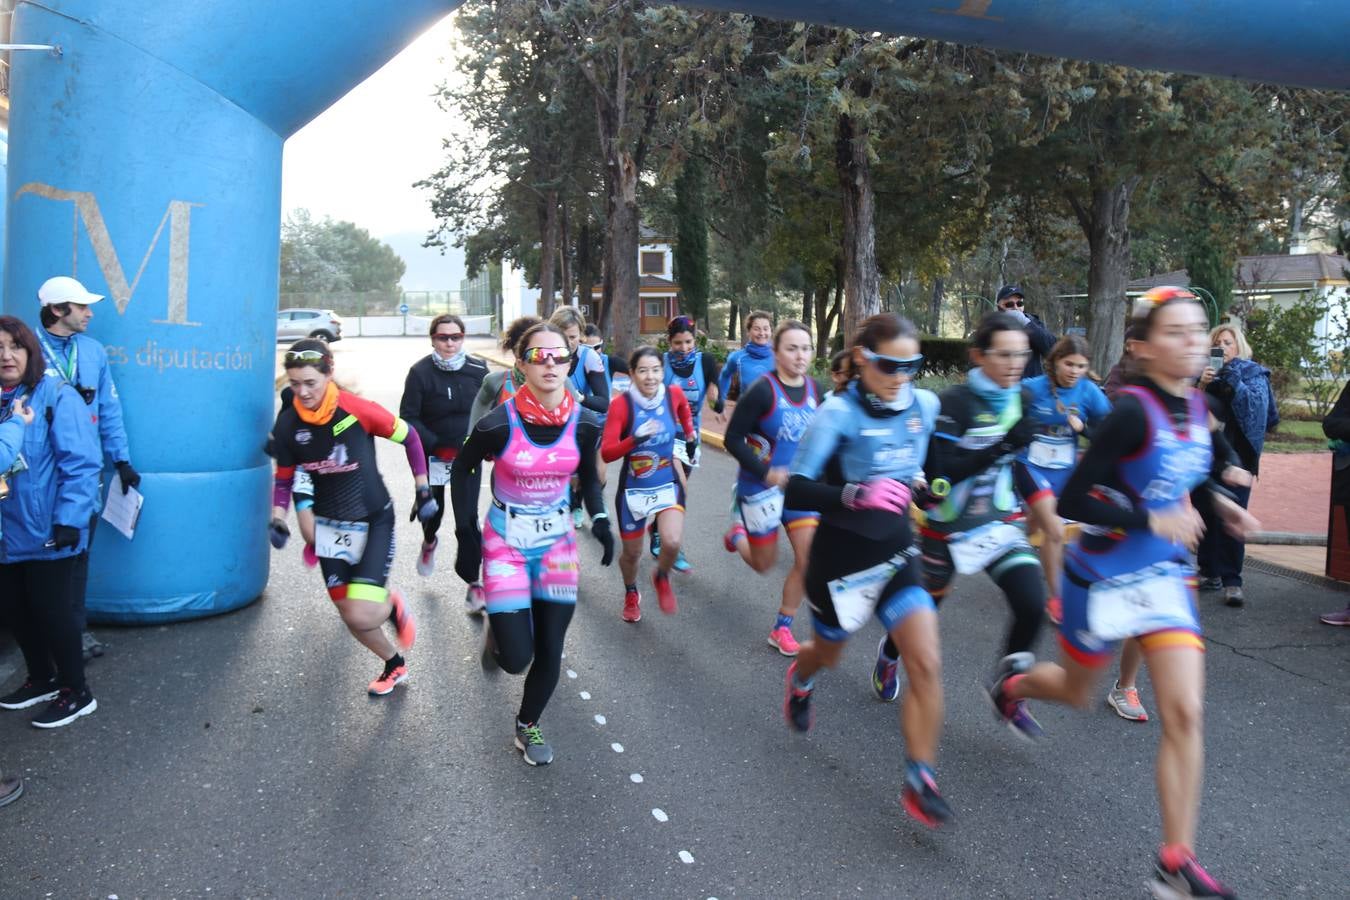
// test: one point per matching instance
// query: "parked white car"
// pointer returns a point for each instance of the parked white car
(293, 324)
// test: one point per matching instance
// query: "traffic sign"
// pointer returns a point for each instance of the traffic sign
(403, 309)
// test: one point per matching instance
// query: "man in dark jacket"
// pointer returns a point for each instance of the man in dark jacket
(1010, 300)
(1336, 426)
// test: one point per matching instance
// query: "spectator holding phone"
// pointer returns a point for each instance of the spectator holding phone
(1245, 403)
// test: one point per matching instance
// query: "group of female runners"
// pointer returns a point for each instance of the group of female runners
(850, 476)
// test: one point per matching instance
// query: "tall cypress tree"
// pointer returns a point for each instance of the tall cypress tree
(691, 239)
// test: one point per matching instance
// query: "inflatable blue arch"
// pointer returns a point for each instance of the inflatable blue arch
(144, 157)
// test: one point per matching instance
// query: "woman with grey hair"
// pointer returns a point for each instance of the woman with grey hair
(1245, 403)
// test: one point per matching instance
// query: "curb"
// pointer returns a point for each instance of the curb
(1288, 539)
(1298, 575)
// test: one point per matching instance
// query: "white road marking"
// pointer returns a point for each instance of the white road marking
(686, 857)
(585, 695)
(599, 719)
(617, 748)
(660, 815)
(571, 674)
(635, 778)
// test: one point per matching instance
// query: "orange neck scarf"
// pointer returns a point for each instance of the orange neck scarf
(326, 408)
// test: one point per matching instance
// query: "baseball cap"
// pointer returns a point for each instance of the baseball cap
(1009, 290)
(64, 289)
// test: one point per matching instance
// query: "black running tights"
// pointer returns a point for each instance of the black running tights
(535, 634)
(39, 603)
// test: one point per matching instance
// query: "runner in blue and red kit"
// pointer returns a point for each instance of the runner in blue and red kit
(861, 456)
(768, 423)
(645, 425)
(1152, 463)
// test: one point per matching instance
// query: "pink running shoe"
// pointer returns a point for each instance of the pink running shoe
(733, 537)
(781, 639)
(404, 626)
(310, 557)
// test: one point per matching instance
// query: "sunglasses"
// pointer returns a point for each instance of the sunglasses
(894, 365)
(444, 338)
(1009, 355)
(537, 356)
(305, 356)
(1017, 303)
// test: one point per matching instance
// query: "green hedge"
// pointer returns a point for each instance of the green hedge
(944, 357)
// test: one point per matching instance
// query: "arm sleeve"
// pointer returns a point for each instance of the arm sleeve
(486, 397)
(1095, 409)
(724, 377)
(679, 408)
(1120, 434)
(410, 407)
(285, 473)
(488, 438)
(712, 377)
(1040, 338)
(946, 458)
(806, 489)
(11, 439)
(753, 404)
(1337, 423)
(75, 444)
(111, 430)
(1223, 454)
(592, 492)
(597, 391)
(618, 364)
(614, 445)
(377, 420)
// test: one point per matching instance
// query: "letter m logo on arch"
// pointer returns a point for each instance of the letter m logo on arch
(178, 217)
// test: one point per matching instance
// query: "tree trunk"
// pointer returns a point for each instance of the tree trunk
(1107, 227)
(565, 257)
(733, 318)
(623, 256)
(861, 278)
(808, 300)
(586, 272)
(935, 308)
(548, 251)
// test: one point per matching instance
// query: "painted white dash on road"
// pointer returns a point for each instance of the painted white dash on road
(686, 857)
(635, 778)
(599, 719)
(660, 815)
(571, 674)
(585, 695)
(616, 747)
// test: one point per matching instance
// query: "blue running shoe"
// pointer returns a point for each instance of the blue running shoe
(682, 564)
(886, 675)
(656, 543)
(1014, 713)
(797, 704)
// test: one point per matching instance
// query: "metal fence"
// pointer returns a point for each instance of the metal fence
(387, 303)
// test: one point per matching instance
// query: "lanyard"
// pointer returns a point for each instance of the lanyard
(7, 404)
(71, 369)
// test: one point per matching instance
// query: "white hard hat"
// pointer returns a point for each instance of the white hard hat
(63, 289)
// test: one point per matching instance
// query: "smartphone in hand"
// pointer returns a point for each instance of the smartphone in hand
(1216, 358)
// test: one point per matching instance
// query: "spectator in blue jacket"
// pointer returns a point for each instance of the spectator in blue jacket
(81, 362)
(11, 439)
(44, 527)
(754, 359)
(1010, 300)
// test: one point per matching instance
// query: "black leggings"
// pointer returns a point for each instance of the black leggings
(532, 634)
(40, 605)
(433, 525)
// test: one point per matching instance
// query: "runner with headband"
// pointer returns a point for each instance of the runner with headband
(330, 434)
(644, 425)
(590, 381)
(527, 549)
(696, 374)
(769, 421)
(861, 454)
(972, 500)
(1153, 461)
(498, 387)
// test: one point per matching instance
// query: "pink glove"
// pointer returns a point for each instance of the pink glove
(311, 558)
(885, 494)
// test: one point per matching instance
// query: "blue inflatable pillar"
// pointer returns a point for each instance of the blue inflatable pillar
(145, 160)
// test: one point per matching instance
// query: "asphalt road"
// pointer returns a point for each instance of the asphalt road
(240, 757)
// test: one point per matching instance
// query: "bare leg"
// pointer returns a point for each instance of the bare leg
(1178, 675)
(916, 636)
(1130, 658)
(1067, 681)
(817, 654)
(628, 559)
(365, 620)
(1045, 519)
(670, 525)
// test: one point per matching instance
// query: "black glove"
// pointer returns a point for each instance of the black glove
(601, 531)
(1021, 434)
(469, 554)
(130, 477)
(424, 505)
(65, 538)
(690, 448)
(278, 533)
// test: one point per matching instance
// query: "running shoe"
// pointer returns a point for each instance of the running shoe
(656, 543)
(925, 804)
(30, 693)
(885, 675)
(426, 561)
(1190, 880)
(665, 594)
(475, 600)
(782, 640)
(404, 626)
(1340, 617)
(310, 556)
(11, 789)
(1232, 596)
(1054, 610)
(394, 673)
(632, 608)
(488, 657)
(733, 536)
(91, 647)
(530, 742)
(682, 565)
(578, 518)
(797, 704)
(1125, 701)
(66, 708)
(1014, 713)
(1211, 584)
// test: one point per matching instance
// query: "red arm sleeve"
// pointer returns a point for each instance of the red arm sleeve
(374, 418)
(679, 408)
(613, 445)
